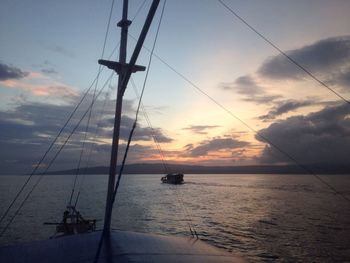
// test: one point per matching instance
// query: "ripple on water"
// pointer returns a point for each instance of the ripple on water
(264, 218)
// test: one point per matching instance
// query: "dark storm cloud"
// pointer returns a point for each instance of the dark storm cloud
(201, 129)
(252, 92)
(247, 86)
(31, 118)
(27, 130)
(215, 144)
(322, 57)
(10, 72)
(23, 139)
(319, 137)
(342, 79)
(285, 107)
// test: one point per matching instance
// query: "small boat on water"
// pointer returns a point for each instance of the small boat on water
(173, 178)
(73, 223)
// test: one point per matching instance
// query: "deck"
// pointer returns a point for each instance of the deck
(121, 246)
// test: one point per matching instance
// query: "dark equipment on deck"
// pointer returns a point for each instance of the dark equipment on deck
(73, 223)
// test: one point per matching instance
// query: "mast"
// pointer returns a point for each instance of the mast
(124, 70)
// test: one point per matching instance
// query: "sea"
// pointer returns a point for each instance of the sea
(260, 217)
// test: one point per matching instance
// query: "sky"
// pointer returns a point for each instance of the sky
(48, 59)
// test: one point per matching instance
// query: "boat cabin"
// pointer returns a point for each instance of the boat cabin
(173, 178)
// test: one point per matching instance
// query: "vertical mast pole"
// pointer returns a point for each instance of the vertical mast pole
(124, 71)
(124, 24)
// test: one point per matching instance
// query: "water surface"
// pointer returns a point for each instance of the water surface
(264, 218)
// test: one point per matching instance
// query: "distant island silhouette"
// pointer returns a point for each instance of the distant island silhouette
(158, 168)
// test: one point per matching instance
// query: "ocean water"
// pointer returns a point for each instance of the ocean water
(263, 218)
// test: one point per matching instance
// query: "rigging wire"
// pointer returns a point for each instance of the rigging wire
(52, 144)
(138, 10)
(153, 133)
(45, 154)
(290, 157)
(96, 130)
(93, 139)
(139, 105)
(92, 101)
(283, 53)
(130, 136)
(52, 161)
(80, 158)
(165, 165)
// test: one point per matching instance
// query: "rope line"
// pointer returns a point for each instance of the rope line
(92, 101)
(138, 10)
(58, 135)
(51, 162)
(283, 53)
(153, 133)
(165, 165)
(45, 154)
(138, 107)
(305, 168)
(105, 233)
(91, 148)
(52, 144)
(96, 131)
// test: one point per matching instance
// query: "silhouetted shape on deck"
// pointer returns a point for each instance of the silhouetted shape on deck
(73, 223)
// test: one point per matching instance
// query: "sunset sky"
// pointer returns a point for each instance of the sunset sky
(48, 58)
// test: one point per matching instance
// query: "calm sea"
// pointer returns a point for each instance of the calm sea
(264, 218)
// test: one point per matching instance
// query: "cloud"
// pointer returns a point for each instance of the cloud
(188, 147)
(38, 84)
(249, 88)
(342, 79)
(24, 133)
(47, 90)
(49, 71)
(60, 50)
(27, 130)
(327, 57)
(319, 137)
(9, 72)
(140, 134)
(46, 67)
(266, 99)
(215, 144)
(201, 129)
(59, 91)
(285, 107)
